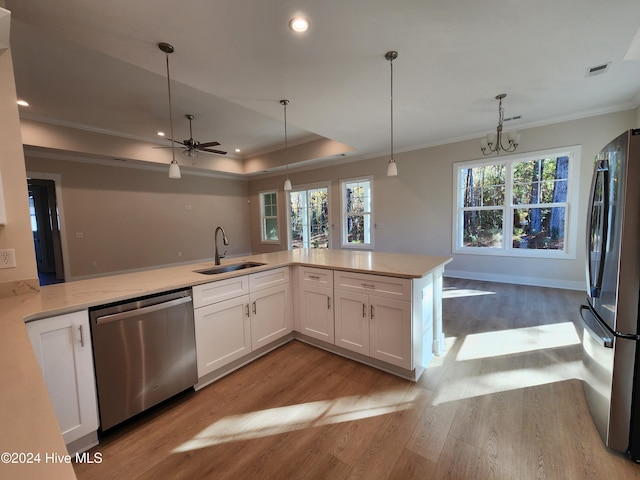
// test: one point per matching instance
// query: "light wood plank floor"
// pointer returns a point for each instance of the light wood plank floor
(504, 402)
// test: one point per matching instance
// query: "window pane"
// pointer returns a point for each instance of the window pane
(298, 218)
(539, 228)
(356, 226)
(483, 186)
(483, 228)
(319, 218)
(271, 229)
(358, 197)
(540, 181)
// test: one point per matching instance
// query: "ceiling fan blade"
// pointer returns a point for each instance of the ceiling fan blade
(211, 150)
(208, 144)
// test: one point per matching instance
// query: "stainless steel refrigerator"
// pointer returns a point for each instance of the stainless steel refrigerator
(610, 316)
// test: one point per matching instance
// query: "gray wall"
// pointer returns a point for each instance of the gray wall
(132, 218)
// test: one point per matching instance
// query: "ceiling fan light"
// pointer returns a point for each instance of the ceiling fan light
(174, 170)
(392, 169)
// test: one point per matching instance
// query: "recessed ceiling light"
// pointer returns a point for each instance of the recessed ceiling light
(161, 134)
(23, 103)
(237, 150)
(299, 24)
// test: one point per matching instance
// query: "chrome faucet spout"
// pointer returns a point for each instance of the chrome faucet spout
(225, 241)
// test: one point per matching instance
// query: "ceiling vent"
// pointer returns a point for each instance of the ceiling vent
(598, 69)
(515, 117)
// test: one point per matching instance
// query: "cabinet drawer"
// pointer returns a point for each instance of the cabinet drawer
(389, 287)
(221, 290)
(318, 277)
(268, 278)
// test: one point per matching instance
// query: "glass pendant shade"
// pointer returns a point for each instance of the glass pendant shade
(287, 185)
(174, 170)
(392, 169)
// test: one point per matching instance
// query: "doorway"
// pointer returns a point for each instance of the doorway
(45, 225)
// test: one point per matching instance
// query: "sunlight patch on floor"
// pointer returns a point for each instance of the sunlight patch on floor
(451, 292)
(278, 420)
(518, 340)
(459, 388)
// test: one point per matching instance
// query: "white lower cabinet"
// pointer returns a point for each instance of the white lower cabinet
(62, 345)
(223, 333)
(236, 316)
(376, 324)
(315, 300)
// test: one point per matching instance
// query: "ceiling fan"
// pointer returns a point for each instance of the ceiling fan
(193, 147)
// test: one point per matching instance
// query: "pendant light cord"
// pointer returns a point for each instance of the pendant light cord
(391, 62)
(173, 152)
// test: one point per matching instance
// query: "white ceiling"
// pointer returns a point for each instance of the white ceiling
(95, 64)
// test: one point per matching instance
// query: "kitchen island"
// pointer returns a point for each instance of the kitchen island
(28, 421)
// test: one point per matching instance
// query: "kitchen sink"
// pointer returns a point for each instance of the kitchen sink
(229, 268)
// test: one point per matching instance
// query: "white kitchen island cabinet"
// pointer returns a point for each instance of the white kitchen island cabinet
(62, 345)
(315, 303)
(239, 319)
(373, 316)
(271, 317)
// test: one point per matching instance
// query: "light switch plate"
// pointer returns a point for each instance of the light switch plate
(8, 258)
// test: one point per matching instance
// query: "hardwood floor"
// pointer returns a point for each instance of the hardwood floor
(504, 402)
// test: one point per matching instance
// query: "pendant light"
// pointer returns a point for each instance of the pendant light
(174, 168)
(287, 182)
(392, 168)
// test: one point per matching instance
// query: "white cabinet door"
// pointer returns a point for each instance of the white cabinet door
(316, 313)
(390, 334)
(62, 345)
(270, 315)
(352, 321)
(223, 333)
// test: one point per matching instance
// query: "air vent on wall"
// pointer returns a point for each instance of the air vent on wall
(598, 69)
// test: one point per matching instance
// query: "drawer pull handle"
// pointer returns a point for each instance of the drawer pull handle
(314, 277)
(368, 285)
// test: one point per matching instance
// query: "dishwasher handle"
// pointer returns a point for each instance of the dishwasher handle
(115, 317)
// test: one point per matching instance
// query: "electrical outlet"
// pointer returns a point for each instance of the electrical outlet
(8, 258)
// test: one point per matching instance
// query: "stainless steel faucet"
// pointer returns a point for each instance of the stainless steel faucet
(225, 240)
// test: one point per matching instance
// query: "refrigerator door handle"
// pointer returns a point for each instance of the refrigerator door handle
(601, 331)
(595, 328)
(595, 284)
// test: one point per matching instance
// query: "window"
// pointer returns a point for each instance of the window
(309, 217)
(518, 205)
(357, 212)
(269, 216)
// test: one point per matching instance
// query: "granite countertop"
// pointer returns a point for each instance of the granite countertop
(27, 420)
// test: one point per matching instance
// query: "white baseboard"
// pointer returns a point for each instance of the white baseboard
(516, 279)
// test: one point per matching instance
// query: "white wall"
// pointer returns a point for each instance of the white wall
(415, 208)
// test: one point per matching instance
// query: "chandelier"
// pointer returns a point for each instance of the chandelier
(493, 142)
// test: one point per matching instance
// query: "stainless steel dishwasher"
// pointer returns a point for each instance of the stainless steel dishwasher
(144, 351)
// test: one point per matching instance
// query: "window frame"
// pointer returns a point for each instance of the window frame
(306, 188)
(344, 214)
(264, 217)
(574, 153)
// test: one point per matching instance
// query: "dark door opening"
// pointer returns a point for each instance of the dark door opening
(45, 224)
